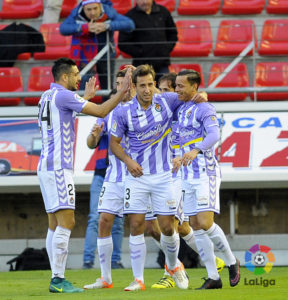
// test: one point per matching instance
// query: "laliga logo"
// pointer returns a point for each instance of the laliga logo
(259, 259)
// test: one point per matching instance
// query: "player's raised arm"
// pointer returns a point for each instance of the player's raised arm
(103, 109)
(133, 167)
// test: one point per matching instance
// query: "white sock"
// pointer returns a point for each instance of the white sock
(138, 255)
(49, 238)
(105, 249)
(206, 251)
(60, 243)
(190, 240)
(170, 247)
(219, 239)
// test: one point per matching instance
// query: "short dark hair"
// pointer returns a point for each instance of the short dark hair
(192, 76)
(121, 73)
(62, 65)
(142, 70)
(113, 92)
(170, 77)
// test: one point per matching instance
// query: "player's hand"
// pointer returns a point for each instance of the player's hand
(189, 157)
(134, 168)
(97, 130)
(90, 88)
(127, 81)
(200, 97)
(129, 67)
(176, 162)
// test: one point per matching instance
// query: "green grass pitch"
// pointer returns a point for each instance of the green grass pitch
(34, 285)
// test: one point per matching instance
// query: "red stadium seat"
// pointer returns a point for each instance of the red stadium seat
(242, 7)
(56, 45)
(274, 38)
(10, 81)
(179, 67)
(234, 36)
(22, 56)
(237, 77)
(277, 7)
(67, 7)
(39, 80)
(169, 4)
(198, 7)
(271, 74)
(194, 38)
(122, 6)
(21, 9)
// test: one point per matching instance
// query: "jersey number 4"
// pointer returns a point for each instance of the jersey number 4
(45, 114)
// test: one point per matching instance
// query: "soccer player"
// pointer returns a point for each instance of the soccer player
(167, 83)
(57, 112)
(111, 197)
(199, 132)
(146, 122)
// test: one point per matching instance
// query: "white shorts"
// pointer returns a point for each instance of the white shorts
(177, 186)
(57, 189)
(157, 187)
(201, 195)
(111, 198)
(150, 214)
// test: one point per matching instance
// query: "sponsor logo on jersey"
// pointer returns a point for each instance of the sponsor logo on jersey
(79, 99)
(114, 126)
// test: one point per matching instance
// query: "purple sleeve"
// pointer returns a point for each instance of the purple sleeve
(172, 100)
(68, 100)
(211, 125)
(118, 124)
(211, 138)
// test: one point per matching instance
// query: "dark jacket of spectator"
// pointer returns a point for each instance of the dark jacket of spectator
(154, 37)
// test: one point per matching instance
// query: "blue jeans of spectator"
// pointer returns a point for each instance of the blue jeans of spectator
(90, 245)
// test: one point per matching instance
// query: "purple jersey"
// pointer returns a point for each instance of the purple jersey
(148, 131)
(57, 112)
(175, 145)
(116, 170)
(194, 119)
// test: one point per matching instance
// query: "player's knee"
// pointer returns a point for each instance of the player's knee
(104, 223)
(184, 229)
(136, 227)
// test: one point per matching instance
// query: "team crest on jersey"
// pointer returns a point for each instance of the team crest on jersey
(127, 205)
(100, 202)
(158, 107)
(188, 114)
(79, 99)
(213, 118)
(71, 200)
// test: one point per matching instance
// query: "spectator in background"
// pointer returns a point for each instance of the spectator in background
(154, 38)
(88, 23)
